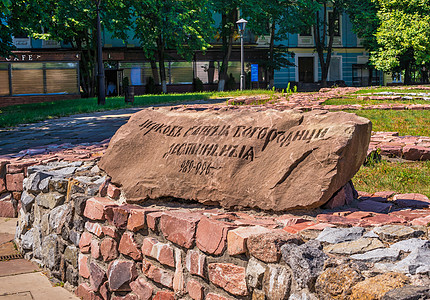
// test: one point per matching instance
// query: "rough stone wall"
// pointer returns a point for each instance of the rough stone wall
(74, 222)
(165, 252)
(50, 222)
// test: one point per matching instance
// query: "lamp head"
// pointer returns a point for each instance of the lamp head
(241, 24)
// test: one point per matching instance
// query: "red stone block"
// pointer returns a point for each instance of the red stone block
(359, 215)
(147, 245)
(14, 182)
(104, 291)
(288, 220)
(423, 221)
(163, 295)
(416, 153)
(110, 231)
(85, 242)
(108, 249)
(97, 276)
(195, 263)
(19, 167)
(113, 191)
(391, 150)
(128, 246)
(120, 274)
(84, 292)
(178, 277)
(152, 220)
(383, 219)
(142, 288)
(410, 215)
(2, 185)
(212, 296)
(159, 275)
(412, 200)
(7, 209)
(374, 206)
(95, 249)
(95, 208)
(211, 236)
(83, 266)
(126, 297)
(118, 216)
(137, 218)
(94, 228)
(296, 228)
(267, 246)
(337, 220)
(384, 194)
(236, 239)
(320, 226)
(179, 228)
(103, 188)
(195, 289)
(229, 277)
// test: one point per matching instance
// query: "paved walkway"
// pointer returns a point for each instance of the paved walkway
(76, 129)
(20, 278)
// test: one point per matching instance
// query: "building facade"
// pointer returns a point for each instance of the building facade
(50, 70)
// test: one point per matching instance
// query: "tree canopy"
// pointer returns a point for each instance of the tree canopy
(403, 36)
(6, 33)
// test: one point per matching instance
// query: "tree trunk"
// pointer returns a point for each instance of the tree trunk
(155, 72)
(320, 43)
(271, 71)
(369, 81)
(160, 46)
(408, 78)
(227, 40)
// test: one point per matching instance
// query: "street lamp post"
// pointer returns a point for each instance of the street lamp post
(241, 24)
(101, 100)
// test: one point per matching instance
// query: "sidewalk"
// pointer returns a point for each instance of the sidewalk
(22, 279)
(75, 129)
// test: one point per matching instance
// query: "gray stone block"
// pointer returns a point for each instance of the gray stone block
(306, 262)
(339, 235)
(378, 255)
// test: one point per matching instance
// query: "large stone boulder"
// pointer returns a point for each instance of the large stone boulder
(259, 158)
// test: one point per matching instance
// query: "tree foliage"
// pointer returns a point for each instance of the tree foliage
(403, 36)
(365, 21)
(277, 19)
(6, 32)
(169, 24)
(226, 32)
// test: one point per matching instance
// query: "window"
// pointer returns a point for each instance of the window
(42, 78)
(27, 78)
(137, 72)
(181, 72)
(4, 79)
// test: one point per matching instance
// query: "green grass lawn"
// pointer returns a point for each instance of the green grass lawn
(354, 100)
(30, 113)
(405, 122)
(406, 177)
(390, 89)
